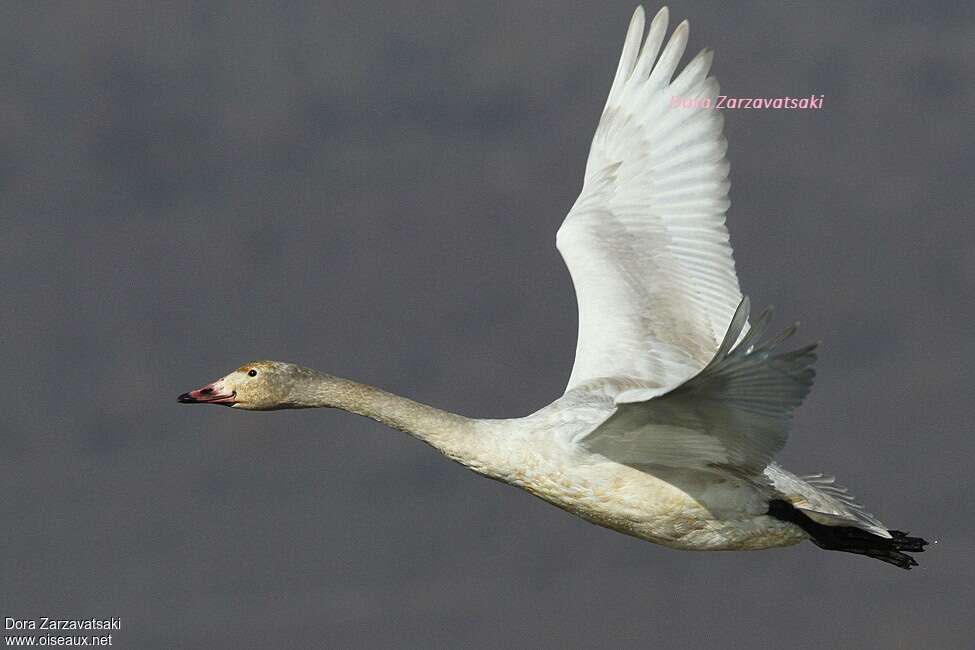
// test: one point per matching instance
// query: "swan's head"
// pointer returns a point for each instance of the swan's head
(255, 386)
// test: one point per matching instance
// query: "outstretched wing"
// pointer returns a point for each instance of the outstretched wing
(645, 242)
(734, 414)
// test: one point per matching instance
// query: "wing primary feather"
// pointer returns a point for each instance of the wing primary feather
(738, 323)
(673, 51)
(651, 46)
(693, 73)
(631, 48)
(757, 329)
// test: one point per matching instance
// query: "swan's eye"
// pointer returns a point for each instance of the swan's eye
(252, 373)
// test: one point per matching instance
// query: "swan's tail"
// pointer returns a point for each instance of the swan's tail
(851, 539)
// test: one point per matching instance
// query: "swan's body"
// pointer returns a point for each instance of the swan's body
(675, 406)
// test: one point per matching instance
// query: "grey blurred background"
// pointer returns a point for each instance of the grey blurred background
(374, 190)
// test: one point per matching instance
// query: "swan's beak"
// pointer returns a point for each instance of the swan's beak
(214, 393)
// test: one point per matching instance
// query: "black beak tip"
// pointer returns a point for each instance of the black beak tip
(185, 398)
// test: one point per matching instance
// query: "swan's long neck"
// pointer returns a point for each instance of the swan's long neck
(453, 434)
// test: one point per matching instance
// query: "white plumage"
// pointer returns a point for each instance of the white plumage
(675, 407)
(646, 243)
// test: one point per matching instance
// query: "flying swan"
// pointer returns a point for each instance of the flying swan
(676, 404)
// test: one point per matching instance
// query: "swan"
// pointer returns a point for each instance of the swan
(676, 403)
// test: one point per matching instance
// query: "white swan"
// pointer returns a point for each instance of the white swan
(675, 406)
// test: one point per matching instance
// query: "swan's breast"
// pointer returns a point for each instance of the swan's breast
(676, 508)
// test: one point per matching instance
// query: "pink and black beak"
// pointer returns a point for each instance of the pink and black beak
(214, 393)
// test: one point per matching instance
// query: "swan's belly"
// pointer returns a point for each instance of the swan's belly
(681, 509)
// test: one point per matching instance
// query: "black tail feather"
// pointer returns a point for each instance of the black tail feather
(851, 539)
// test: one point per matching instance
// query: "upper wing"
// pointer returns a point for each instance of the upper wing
(645, 242)
(735, 413)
